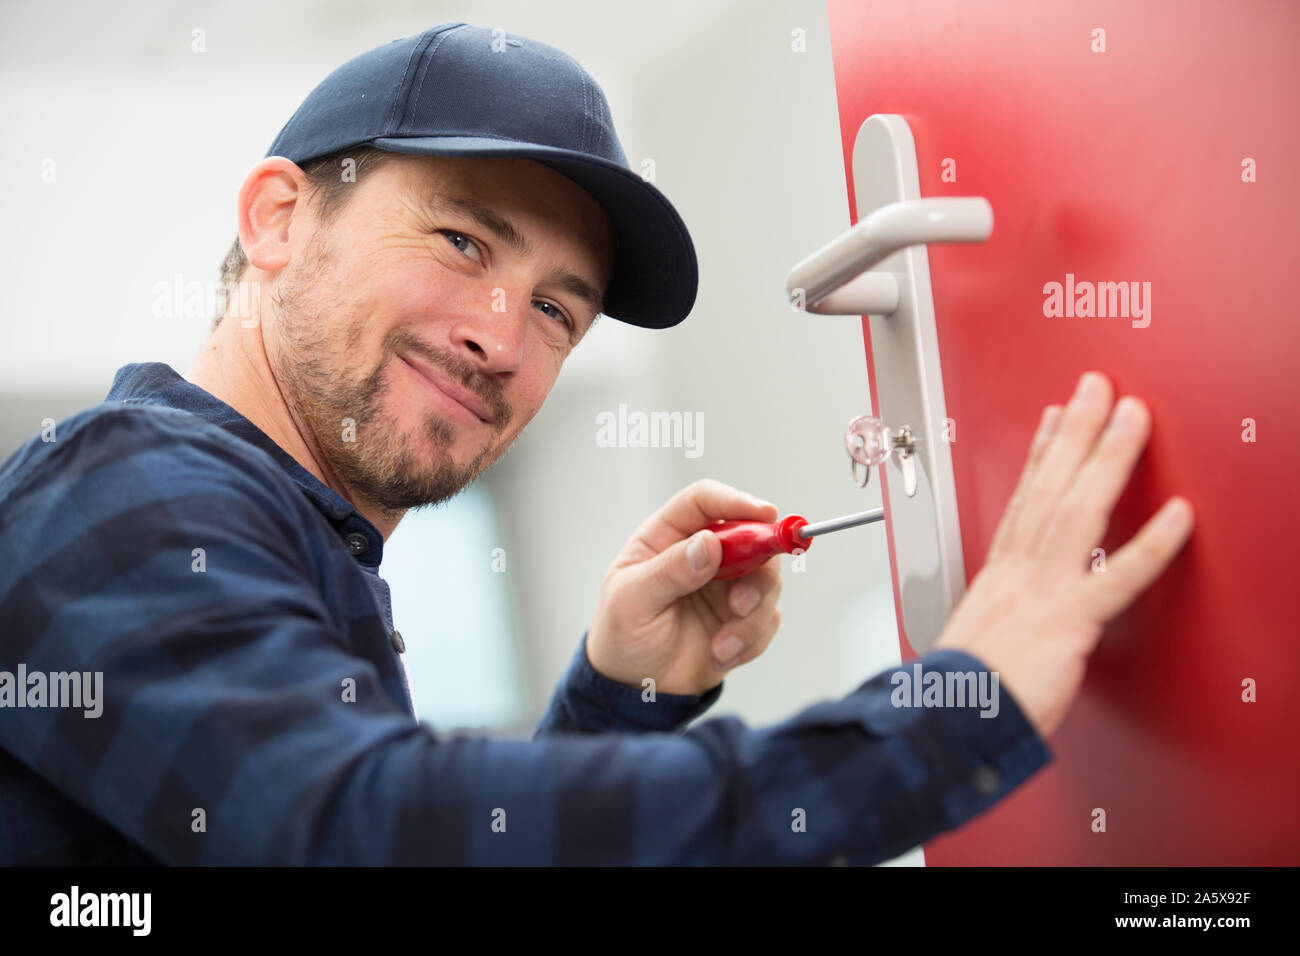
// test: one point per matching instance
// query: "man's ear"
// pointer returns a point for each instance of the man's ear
(268, 200)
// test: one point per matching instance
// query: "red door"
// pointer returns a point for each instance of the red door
(1159, 150)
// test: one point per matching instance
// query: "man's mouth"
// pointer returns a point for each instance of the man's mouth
(451, 393)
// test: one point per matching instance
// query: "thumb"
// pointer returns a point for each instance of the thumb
(675, 572)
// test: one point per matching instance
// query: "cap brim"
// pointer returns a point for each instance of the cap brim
(655, 274)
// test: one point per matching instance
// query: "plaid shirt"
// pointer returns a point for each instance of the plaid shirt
(254, 707)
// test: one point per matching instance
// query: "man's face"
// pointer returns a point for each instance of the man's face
(412, 339)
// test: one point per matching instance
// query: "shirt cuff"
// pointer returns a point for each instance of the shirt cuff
(980, 744)
(586, 701)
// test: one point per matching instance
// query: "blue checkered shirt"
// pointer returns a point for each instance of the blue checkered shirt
(254, 708)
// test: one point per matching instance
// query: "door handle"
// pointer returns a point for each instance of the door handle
(836, 279)
(880, 269)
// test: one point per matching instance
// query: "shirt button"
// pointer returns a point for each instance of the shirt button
(399, 645)
(987, 780)
(357, 542)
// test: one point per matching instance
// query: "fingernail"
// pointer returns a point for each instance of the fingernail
(697, 552)
(744, 599)
(1089, 390)
(728, 650)
(1174, 514)
(1125, 418)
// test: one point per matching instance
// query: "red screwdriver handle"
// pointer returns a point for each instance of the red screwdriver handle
(747, 545)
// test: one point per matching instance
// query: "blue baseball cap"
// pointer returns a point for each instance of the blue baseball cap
(462, 90)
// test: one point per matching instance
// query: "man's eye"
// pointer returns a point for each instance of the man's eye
(564, 319)
(453, 235)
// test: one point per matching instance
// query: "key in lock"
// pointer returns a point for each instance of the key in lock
(869, 442)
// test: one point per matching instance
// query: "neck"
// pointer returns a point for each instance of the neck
(233, 367)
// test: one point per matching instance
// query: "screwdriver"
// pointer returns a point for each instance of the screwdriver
(746, 545)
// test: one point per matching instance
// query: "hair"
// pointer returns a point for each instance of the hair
(327, 187)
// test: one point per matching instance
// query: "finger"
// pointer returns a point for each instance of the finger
(663, 578)
(725, 599)
(1133, 567)
(1047, 426)
(1079, 524)
(697, 506)
(747, 593)
(738, 642)
(1081, 422)
(688, 567)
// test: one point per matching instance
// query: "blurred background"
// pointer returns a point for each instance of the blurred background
(125, 146)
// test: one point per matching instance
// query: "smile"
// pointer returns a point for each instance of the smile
(453, 397)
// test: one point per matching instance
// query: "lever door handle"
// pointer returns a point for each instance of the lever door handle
(881, 269)
(836, 279)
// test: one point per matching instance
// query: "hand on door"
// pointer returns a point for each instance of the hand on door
(1034, 612)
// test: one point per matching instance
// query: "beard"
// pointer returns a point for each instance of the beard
(343, 407)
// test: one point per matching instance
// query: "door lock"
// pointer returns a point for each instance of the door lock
(870, 442)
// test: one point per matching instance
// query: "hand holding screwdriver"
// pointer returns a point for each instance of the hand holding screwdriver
(662, 615)
(659, 613)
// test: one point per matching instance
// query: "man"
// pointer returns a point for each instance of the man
(431, 234)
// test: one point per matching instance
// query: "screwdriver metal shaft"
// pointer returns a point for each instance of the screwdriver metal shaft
(839, 524)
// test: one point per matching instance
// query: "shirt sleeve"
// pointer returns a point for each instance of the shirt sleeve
(240, 726)
(587, 702)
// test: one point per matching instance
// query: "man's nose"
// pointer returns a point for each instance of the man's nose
(493, 336)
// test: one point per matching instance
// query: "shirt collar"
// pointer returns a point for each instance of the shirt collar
(156, 383)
